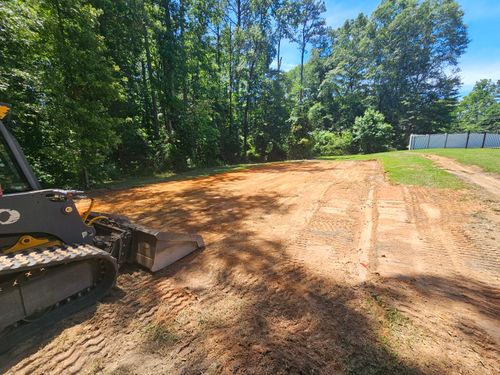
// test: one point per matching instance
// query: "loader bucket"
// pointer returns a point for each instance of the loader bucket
(155, 249)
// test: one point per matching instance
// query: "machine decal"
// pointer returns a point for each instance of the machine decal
(8, 216)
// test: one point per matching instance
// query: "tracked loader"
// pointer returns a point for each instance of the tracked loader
(55, 260)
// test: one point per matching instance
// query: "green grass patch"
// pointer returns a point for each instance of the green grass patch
(409, 168)
(487, 159)
(160, 336)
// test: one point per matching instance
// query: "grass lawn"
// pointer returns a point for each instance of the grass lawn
(486, 158)
(409, 168)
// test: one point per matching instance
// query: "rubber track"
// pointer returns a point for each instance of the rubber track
(21, 262)
(49, 257)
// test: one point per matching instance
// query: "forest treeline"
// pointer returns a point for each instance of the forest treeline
(107, 88)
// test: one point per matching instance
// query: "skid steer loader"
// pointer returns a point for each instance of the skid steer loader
(54, 260)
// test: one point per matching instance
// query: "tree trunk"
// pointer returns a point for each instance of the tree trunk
(145, 93)
(168, 68)
(183, 51)
(156, 126)
(302, 51)
(231, 124)
(278, 57)
(247, 107)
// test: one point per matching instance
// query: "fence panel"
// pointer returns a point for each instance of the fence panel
(492, 140)
(475, 140)
(457, 140)
(419, 141)
(437, 141)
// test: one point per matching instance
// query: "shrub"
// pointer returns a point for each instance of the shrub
(371, 133)
(299, 141)
(328, 143)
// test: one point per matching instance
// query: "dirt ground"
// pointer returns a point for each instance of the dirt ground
(312, 267)
(469, 173)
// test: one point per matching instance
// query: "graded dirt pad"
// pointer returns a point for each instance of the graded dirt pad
(313, 267)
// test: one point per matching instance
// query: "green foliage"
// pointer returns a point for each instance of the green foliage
(110, 88)
(300, 143)
(64, 89)
(371, 133)
(329, 143)
(397, 61)
(480, 109)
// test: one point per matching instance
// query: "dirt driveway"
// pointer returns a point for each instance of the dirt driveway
(469, 173)
(313, 267)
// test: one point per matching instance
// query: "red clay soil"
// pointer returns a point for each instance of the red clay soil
(313, 267)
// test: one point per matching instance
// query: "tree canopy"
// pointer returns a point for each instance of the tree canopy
(480, 109)
(108, 88)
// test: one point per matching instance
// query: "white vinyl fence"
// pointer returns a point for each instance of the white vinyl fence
(457, 140)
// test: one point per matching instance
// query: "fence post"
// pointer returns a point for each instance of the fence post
(484, 139)
(446, 140)
(428, 140)
(467, 141)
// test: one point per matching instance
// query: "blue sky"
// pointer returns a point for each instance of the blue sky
(481, 60)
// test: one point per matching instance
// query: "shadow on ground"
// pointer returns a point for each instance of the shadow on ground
(265, 313)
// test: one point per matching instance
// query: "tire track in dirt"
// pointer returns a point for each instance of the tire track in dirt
(280, 275)
(397, 242)
(273, 279)
(472, 299)
(332, 226)
(329, 242)
(367, 259)
(107, 330)
(420, 243)
(470, 174)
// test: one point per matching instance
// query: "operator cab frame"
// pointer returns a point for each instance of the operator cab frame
(16, 175)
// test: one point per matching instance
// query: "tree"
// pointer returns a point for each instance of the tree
(371, 133)
(344, 90)
(415, 48)
(480, 109)
(300, 143)
(308, 26)
(109, 88)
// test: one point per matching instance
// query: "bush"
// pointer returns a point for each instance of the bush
(328, 143)
(299, 141)
(371, 133)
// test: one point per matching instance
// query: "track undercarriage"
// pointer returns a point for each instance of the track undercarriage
(41, 286)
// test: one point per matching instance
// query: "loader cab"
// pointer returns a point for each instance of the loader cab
(16, 175)
(12, 179)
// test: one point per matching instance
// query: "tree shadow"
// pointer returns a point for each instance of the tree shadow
(287, 319)
(483, 298)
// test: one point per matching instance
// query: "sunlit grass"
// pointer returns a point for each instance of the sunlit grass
(409, 168)
(487, 159)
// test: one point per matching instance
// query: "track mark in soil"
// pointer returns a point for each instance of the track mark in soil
(366, 238)
(280, 287)
(470, 174)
